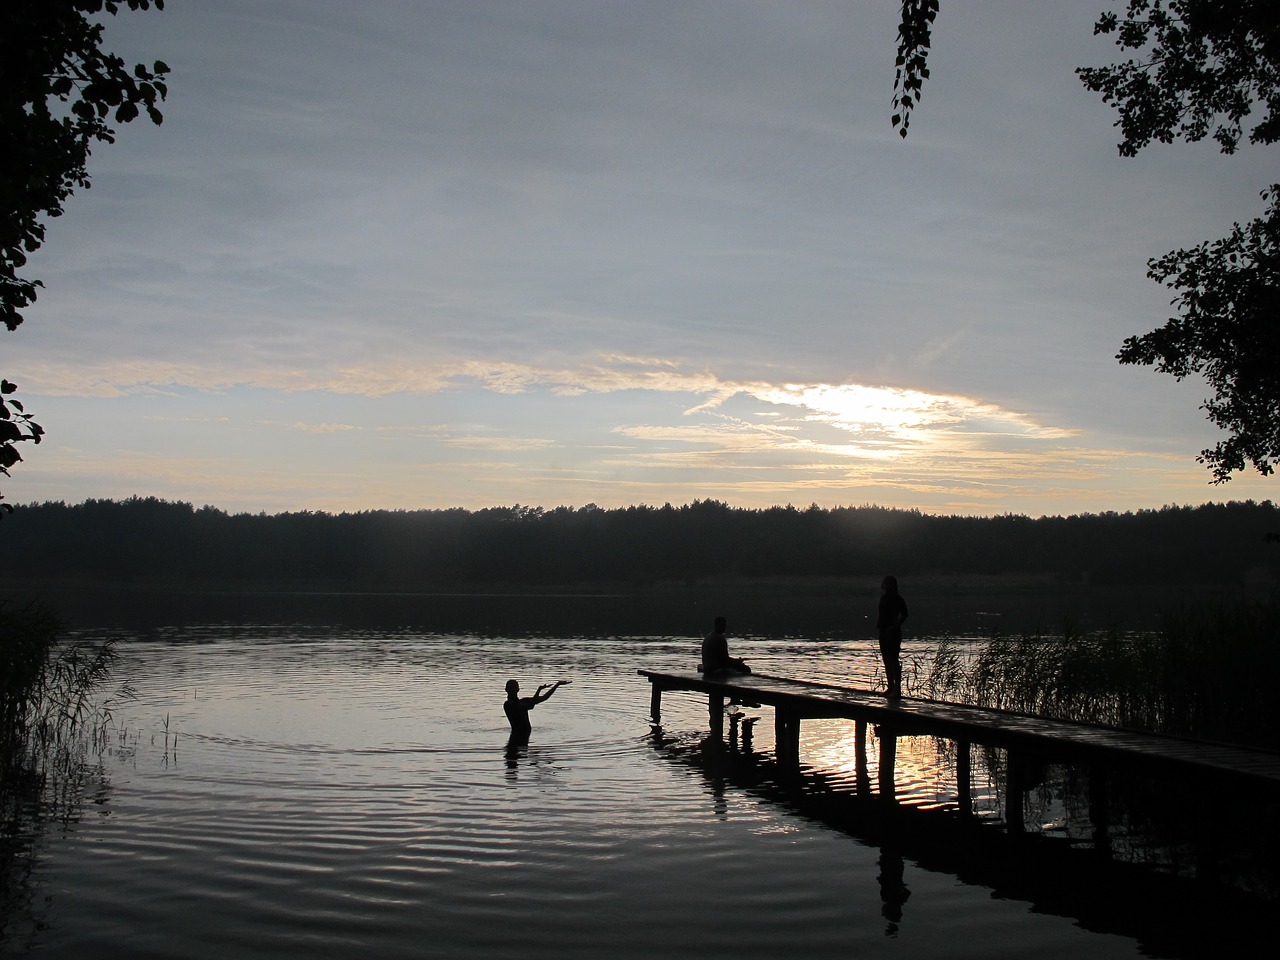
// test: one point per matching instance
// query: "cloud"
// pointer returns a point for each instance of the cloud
(312, 427)
(500, 443)
(851, 406)
(805, 422)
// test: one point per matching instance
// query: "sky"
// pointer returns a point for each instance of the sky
(413, 254)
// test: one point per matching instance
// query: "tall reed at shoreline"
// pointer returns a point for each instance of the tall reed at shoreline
(48, 687)
(53, 724)
(1211, 672)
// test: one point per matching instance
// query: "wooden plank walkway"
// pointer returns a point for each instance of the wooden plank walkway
(1029, 737)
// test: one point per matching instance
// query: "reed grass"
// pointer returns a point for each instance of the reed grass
(54, 712)
(1211, 672)
(50, 687)
(53, 721)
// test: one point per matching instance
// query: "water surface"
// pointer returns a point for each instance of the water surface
(280, 791)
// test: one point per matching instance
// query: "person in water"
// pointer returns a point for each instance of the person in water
(889, 619)
(517, 707)
(715, 652)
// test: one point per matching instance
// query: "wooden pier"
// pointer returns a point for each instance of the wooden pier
(1029, 741)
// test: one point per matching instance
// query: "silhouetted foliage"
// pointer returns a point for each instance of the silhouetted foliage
(1206, 66)
(1207, 671)
(59, 93)
(154, 541)
(915, 32)
(1209, 64)
(1228, 330)
(16, 426)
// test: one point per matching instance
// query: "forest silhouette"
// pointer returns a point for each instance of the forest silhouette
(150, 540)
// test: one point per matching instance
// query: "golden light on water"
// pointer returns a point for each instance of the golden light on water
(924, 770)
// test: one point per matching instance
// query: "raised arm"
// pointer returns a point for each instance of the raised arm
(549, 689)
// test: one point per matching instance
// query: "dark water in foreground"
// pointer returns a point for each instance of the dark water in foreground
(292, 789)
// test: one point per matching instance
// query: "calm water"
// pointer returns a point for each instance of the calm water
(317, 792)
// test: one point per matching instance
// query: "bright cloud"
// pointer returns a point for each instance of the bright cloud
(857, 408)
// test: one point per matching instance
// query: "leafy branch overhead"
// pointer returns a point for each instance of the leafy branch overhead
(1194, 69)
(1210, 68)
(1228, 331)
(1210, 64)
(60, 92)
(1207, 65)
(16, 426)
(914, 33)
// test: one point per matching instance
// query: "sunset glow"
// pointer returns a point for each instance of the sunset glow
(688, 259)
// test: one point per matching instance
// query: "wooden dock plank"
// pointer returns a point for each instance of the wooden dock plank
(1048, 739)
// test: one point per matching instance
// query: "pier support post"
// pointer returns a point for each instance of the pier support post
(786, 730)
(862, 774)
(888, 763)
(715, 713)
(655, 703)
(964, 777)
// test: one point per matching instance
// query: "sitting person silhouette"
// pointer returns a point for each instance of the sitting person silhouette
(517, 707)
(715, 653)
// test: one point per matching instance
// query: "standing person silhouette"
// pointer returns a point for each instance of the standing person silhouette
(517, 707)
(889, 619)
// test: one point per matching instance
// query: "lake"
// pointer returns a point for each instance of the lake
(315, 789)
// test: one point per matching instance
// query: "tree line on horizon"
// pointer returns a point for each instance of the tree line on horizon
(150, 540)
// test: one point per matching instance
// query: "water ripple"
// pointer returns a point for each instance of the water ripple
(357, 797)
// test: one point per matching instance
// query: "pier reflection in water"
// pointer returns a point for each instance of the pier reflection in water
(1208, 789)
(1146, 874)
